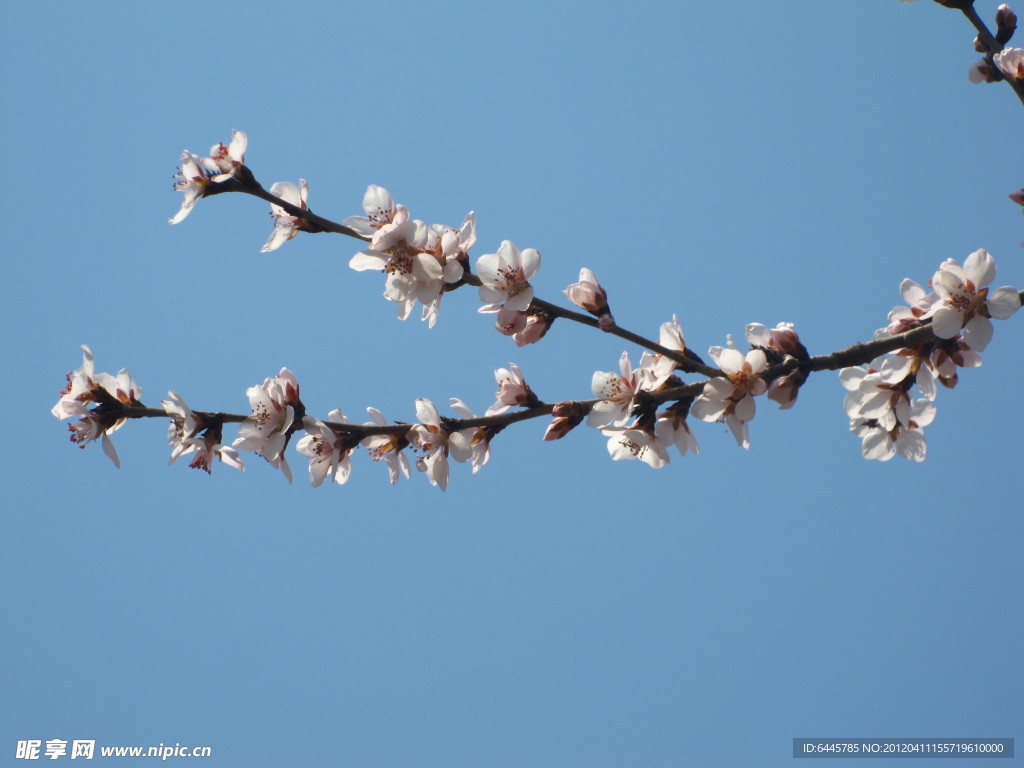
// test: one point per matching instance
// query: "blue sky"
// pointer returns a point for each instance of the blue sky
(728, 163)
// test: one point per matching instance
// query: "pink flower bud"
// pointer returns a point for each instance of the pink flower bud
(533, 331)
(981, 72)
(568, 415)
(785, 340)
(1006, 23)
(588, 293)
(512, 390)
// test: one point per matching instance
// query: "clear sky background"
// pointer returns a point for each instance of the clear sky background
(727, 162)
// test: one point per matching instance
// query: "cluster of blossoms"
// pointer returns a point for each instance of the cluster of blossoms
(197, 175)
(627, 414)
(107, 392)
(277, 414)
(197, 433)
(200, 177)
(627, 407)
(880, 406)
(420, 260)
(506, 290)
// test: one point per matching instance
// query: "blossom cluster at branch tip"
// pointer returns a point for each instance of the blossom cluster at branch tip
(419, 260)
(108, 393)
(196, 174)
(882, 411)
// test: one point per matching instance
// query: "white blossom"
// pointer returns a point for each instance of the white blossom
(286, 226)
(226, 161)
(326, 450)
(388, 447)
(506, 277)
(731, 398)
(965, 302)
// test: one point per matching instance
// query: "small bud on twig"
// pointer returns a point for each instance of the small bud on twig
(1006, 24)
(568, 415)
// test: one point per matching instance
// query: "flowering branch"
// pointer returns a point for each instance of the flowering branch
(642, 410)
(303, 219)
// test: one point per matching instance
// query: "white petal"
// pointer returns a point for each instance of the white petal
(978, 333)
(877, 445)
(377, 199)
(851, 378)
(745, 408)
(731, 360)
(980, 268)
(427, 267)
(521, 301)
(427, 412)
(437, 470)
(707, 408)
(287, 191)
(508, 254)
(360, 224)
(758, 334)
(531, 262)
(923, 413)
(740, 430)
(604, 413)
(1003, 302)
(946, 322)
(108, 448)
(757, 359)
(343, 471)
(911, 444)
(368, 260)
(278, 237)
(896, 368)
(926, 382)
(461, 408)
